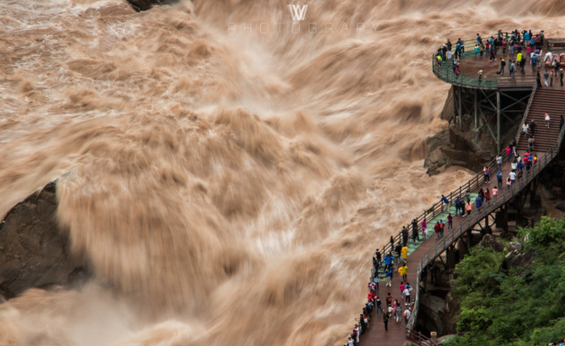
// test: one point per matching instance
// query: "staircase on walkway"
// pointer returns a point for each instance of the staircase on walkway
(550, 101)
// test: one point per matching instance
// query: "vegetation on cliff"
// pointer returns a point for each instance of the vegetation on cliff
(522, 305)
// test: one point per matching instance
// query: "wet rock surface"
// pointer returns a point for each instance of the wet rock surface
(34, 251)
(144, 5)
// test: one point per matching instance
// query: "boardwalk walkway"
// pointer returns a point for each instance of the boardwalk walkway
(423, 252)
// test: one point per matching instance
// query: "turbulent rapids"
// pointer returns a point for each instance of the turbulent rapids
(230, 171)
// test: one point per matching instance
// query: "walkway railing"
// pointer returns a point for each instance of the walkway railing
(504, 196)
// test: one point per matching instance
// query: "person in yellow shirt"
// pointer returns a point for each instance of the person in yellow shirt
(403, 271)
(404, 252)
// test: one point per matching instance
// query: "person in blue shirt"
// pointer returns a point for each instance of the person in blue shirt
(499, 179)
(479, 39)
(479, 203)
(388, 260)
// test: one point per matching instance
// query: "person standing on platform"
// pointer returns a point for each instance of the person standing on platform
(415, 231)
(486, 173)
(494, 193)
(479, 203)
(499, 179)
(468, 207)
(512, 177)
(534, 62)
(546, 120)
(404, 236)
(499, 161)
(546, 78)
(449, 222)
(436, 229)
(531, 143)
(487, 196)
(424, 224)
(398, 253)
(441, 228)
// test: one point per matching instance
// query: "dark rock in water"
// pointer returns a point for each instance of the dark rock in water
(34, 250)
(144, 5)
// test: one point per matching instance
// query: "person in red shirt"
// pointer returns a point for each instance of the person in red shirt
(436, 229)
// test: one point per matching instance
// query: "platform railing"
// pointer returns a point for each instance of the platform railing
(504, 196)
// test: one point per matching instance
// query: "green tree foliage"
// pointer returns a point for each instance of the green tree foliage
(521, 306)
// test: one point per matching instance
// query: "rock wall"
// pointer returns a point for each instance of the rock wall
(34, 251)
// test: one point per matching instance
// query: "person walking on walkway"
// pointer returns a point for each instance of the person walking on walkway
(407, 314)
(502, 64)
(487, 196)
(494, 193)
(546, 78)
(403, 271)
(404, 253)
(546, 120)
(407, 291)
(401, 287)
(388, 277)
(441, 228)
(436, 229)
(378, 305)
(385, 321)
(398, 313)
(479, 203)
(388, 260)
(449, 222)
(512, 177)
(499, 179)
(499, 161)
(533, 126)
(388, 300)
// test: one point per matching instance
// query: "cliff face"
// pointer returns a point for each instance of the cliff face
(33, 249)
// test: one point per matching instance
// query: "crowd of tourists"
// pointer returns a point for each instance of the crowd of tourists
(389, 309)
(520, 48)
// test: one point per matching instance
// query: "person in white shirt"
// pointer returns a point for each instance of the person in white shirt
(512, 177)
(407, 314)
(406, 294)
(547, 119)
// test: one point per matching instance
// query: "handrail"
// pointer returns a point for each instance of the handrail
(527, 111)
(419, 338)
(507, 194)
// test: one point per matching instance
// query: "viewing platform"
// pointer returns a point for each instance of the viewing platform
(470, 65)
(514, 102)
